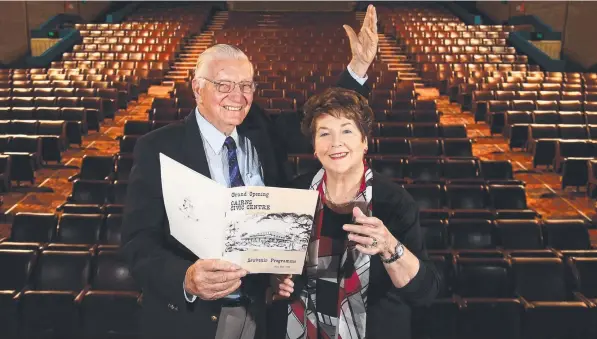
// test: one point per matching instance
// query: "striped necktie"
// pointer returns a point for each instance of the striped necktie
(233, 169)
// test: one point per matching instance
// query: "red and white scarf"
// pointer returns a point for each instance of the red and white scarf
(303, 320)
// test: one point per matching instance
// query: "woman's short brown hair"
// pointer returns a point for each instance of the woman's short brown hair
(337, 102)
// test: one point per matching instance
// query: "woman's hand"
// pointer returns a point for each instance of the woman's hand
(371, 236)
(281, 286)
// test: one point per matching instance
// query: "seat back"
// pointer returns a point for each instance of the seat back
(539, 279)
(62, 271)
(519, 234)
(90, 191)
(568, 234)
(17, 266)
(585, 272)
(427, 196)
(471, 234)
(112, 273)
(483, 278)
(466, 196)
(424, 169)
(390, 167)
(79, 228)
(112, 234)
(33, 227)
(435, 234)
(96, 167)
(508, 197)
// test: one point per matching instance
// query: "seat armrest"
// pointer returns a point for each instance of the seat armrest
(580, 297)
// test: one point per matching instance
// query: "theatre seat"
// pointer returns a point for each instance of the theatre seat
(17, 267)
(429, 198)
(124, 164)
(79, 229)
(519, 234)
(394, 168)
(435, 234)
(49, 306)
(127, 144)
(110, 309)
(440, 319)
(491, 318)
(552, 310)
(457, 148)
(566, 234)
(498, 172)
(424, 170)
(111, 237)
(31, 230)
(483, 278)
(95, 167)
(584, 270)
(471, 234)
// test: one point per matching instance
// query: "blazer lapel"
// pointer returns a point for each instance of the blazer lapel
(194, 153)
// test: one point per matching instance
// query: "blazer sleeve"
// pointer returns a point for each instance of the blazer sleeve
(347, 81)
(404, 225)
(153, 265)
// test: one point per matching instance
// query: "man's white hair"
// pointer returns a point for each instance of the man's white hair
(214, 53)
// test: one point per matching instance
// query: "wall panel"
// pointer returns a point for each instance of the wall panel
(13, 19)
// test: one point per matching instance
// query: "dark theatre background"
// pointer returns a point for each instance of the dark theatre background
(486, 112)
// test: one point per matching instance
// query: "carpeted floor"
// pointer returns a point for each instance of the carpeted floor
(543, 187)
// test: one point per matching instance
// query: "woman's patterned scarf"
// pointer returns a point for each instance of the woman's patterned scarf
(350, 323)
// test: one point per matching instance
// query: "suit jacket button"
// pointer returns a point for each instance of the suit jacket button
(214, 318)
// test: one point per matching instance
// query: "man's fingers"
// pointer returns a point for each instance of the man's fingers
(374, 19)
(352, 36)
(223, 293)
(371, 35)
(366, 19)
(220, 265)
(223, 276)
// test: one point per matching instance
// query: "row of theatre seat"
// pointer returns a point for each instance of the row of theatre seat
(78, 119)
(114, 96)
(66, 278)
(493, 111)
(67, 294)
(92, 294)
(461, 85)
(504, 295)
(505, 234)
(415, 147)
(67, 231)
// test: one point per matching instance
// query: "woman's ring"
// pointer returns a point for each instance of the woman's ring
(374, 244)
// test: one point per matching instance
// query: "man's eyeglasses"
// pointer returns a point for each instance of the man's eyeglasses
(226, 86)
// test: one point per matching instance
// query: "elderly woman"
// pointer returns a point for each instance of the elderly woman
(366, 263)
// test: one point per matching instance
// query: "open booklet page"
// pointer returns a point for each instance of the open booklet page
(262, 229)
(195, 206)
(268, 228)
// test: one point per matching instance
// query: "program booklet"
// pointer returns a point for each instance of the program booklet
(262, 229)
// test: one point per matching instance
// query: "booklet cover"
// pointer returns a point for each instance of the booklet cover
(262, 229)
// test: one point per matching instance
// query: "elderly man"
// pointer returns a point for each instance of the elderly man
(185, 296)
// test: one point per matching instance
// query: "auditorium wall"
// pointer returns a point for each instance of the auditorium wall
(294, 6)
(18, 18)
(575, 19)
